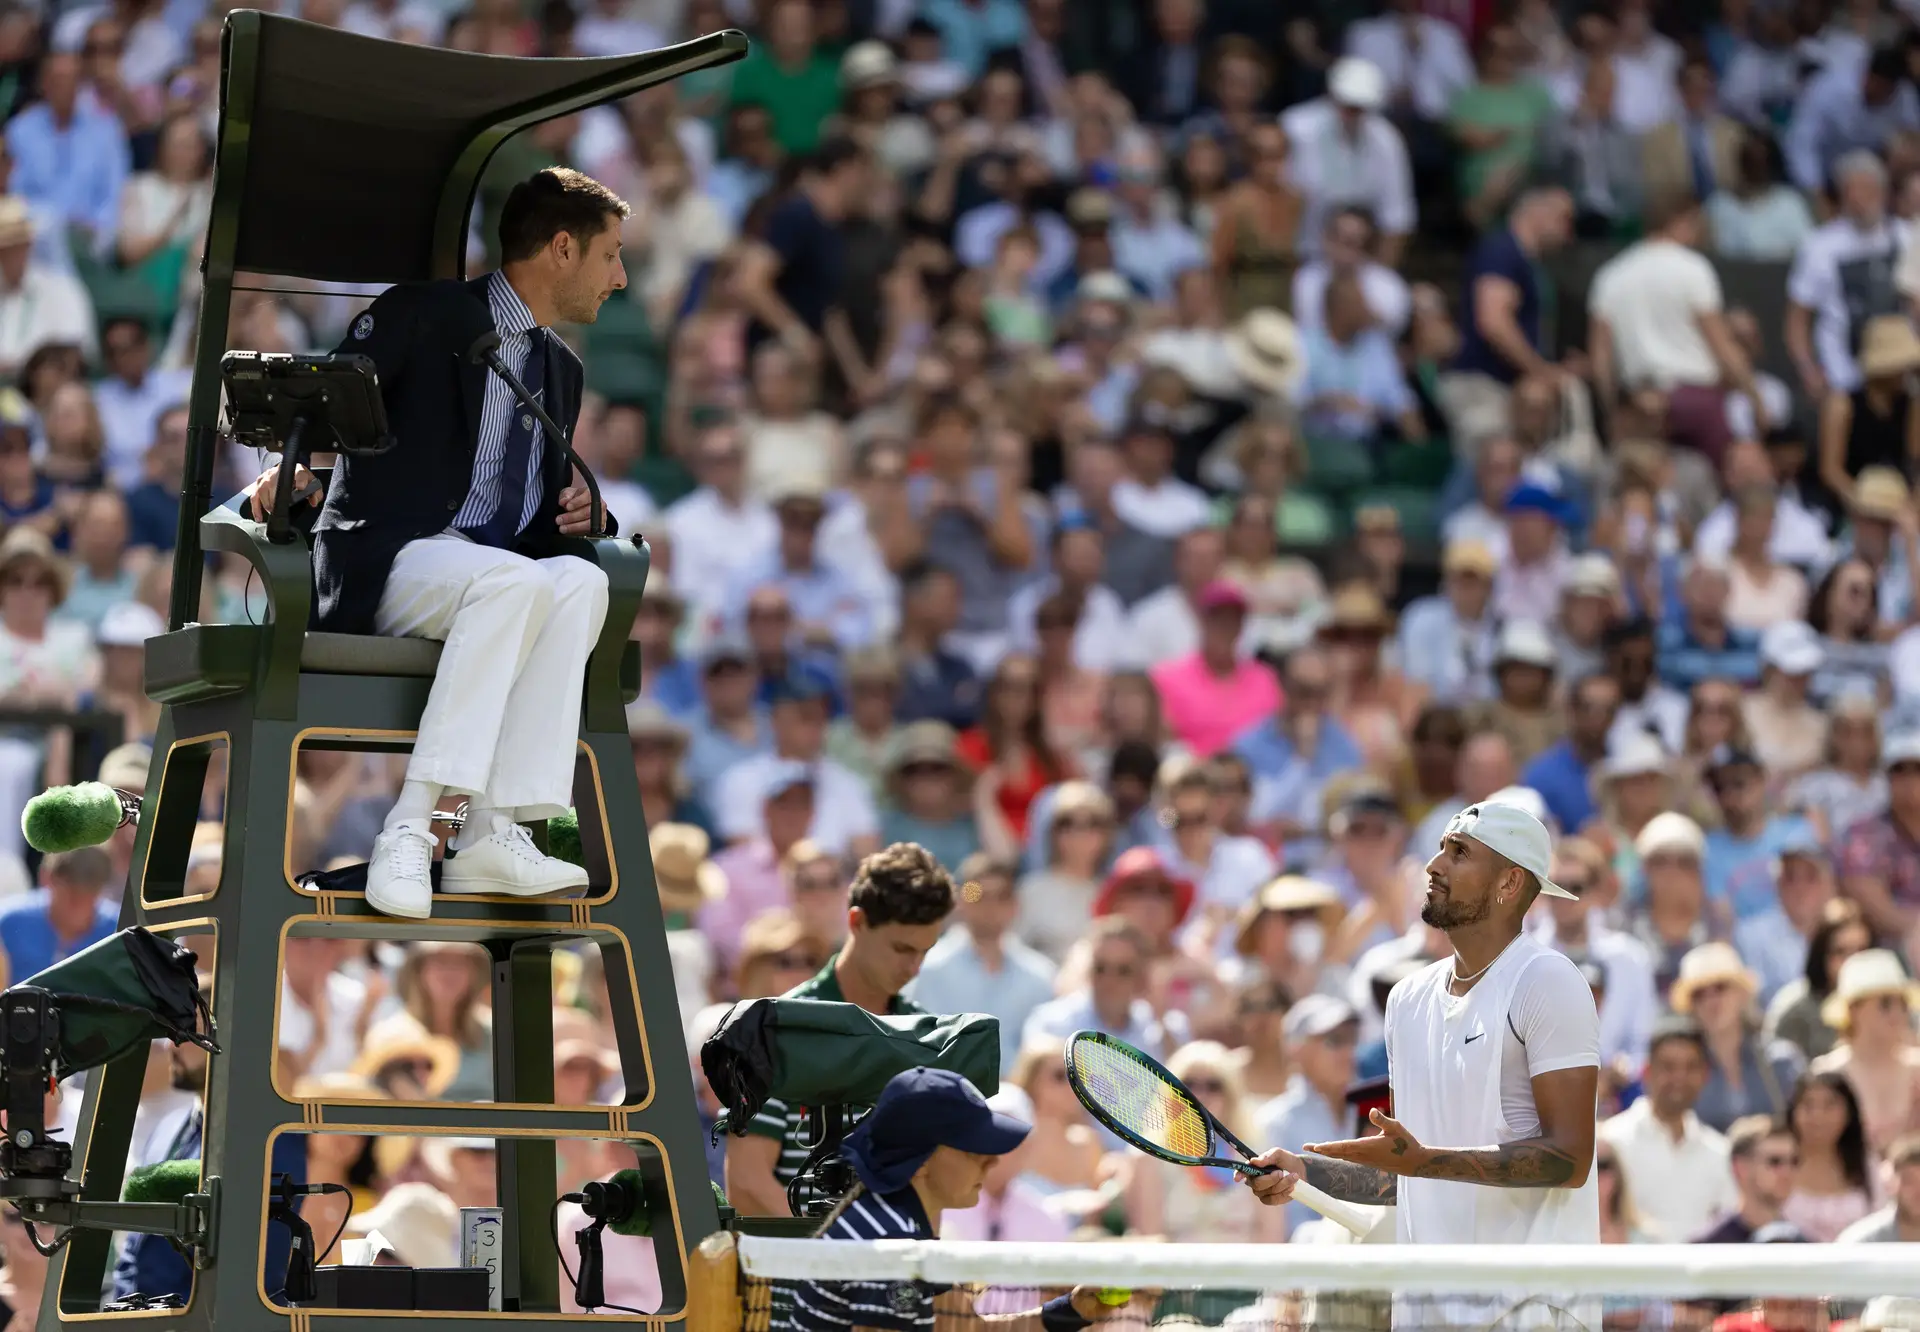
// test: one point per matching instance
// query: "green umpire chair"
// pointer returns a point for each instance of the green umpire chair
(345, 159)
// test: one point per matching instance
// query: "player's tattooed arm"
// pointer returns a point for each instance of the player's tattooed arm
(1350, 1182)
(1536, 1163)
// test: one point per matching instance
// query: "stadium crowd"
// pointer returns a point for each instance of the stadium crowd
(1163, 457)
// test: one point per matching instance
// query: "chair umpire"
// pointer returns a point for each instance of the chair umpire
(456, 534)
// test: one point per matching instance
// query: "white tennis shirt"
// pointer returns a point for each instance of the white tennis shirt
(1461, 1071)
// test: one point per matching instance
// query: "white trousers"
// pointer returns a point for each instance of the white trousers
(502, 721)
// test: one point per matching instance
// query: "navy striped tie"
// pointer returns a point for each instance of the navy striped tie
(503, 525)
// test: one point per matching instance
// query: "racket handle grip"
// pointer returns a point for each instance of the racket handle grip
(1354, 1218)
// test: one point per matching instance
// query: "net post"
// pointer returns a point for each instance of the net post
(713, 1285)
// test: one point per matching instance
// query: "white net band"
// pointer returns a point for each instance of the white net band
(1648, 1271)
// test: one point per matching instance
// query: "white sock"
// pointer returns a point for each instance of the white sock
(416, 802)
(477, 828)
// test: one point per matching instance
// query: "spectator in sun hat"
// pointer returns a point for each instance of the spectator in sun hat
(1523, 708)
(1667, 906)
(1873, 1006)
(38, 305)
(926, 794)
(682, 872)
(1878, 858)
(658, 743)
(1877, 505)
(1447, 642)
(1346, 153)
(1746, 1074)
(1590, 601)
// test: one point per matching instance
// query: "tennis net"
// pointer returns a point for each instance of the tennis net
(750, 1284)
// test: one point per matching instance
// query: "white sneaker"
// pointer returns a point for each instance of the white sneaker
(400, 875)
(507, 861)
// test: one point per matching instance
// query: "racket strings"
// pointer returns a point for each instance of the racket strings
(1140, 1100)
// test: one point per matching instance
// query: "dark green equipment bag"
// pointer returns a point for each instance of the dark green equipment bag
(130, 988)
(808, 1053)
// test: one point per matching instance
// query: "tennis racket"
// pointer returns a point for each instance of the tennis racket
(1135, 1096)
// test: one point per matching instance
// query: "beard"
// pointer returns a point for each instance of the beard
(189, 1077)
(1446, 914)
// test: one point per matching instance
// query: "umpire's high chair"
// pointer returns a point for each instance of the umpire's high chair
(351, 160)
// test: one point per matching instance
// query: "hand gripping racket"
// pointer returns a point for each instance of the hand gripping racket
(1132, 1094)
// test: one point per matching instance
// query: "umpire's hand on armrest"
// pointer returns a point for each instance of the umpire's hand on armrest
(260, 502)
(576, 514)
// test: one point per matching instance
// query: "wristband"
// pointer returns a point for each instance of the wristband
(1059, 1315)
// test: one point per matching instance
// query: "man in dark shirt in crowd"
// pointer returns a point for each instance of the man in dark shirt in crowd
(1502, 332)
(1763, 1156)
(791, 279)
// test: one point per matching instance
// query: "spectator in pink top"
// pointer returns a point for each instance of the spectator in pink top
(1212, 695)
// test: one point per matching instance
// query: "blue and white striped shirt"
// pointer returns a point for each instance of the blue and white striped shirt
(898, 1306)
(513, 321)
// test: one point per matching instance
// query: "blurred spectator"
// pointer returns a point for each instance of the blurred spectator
(979, 961)
(1676, 1165)
(926, 792)
(1348, 154)
(844, 819)
(38, 305)
(1842, 276)
(1831, 1188)
(1872, 1007)
(1764, 1156)
(1320, 1033)
(1899, 1220)
(1879, 858)
(70, 153)
(1746, 1075)
(1848, 109)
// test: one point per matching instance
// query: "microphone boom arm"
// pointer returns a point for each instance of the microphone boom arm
(487, 351)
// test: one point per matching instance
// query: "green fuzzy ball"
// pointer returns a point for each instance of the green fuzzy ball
(563, 839)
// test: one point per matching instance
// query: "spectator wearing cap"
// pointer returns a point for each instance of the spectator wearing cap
(718, 527)
(1078, 559)
(1503, 334)
(1879, 857)
(844, 819)
(730, 726)
(1151, 242)
(1740, 853)
(1321, 1034)
(1823, 317)
(1699, 643)
(1789, 733)
(927, 794)
(1522, 709)
(1447, 642)
(1669, 911)
(1423, 61)
(1348, 154)
(1899, 1221)
(1763, 1155)
(1676, 1165)
(1535, 565)
(121, 686)
(1747, 1073)
(1214, 694)
(1295, 753)
(1869, 428)
(935, 683)
(1873, 1006)
(872, 111)
(980, 964)
(1776, 942)
(829, 612)
(861, 738)
(1591, 600)
(1563, 773)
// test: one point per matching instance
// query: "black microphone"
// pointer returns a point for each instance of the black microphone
(486, 351)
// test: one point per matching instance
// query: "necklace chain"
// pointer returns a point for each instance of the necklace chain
(1458, 979)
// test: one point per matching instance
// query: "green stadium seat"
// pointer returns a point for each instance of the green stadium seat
(1418, 466)
(625, 376)
(1336, 465)
(1419, 511)
(1304, 519)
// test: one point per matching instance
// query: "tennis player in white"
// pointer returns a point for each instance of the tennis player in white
(1493, 1058)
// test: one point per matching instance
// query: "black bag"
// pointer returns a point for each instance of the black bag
(810, 1052)
(130, 988)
